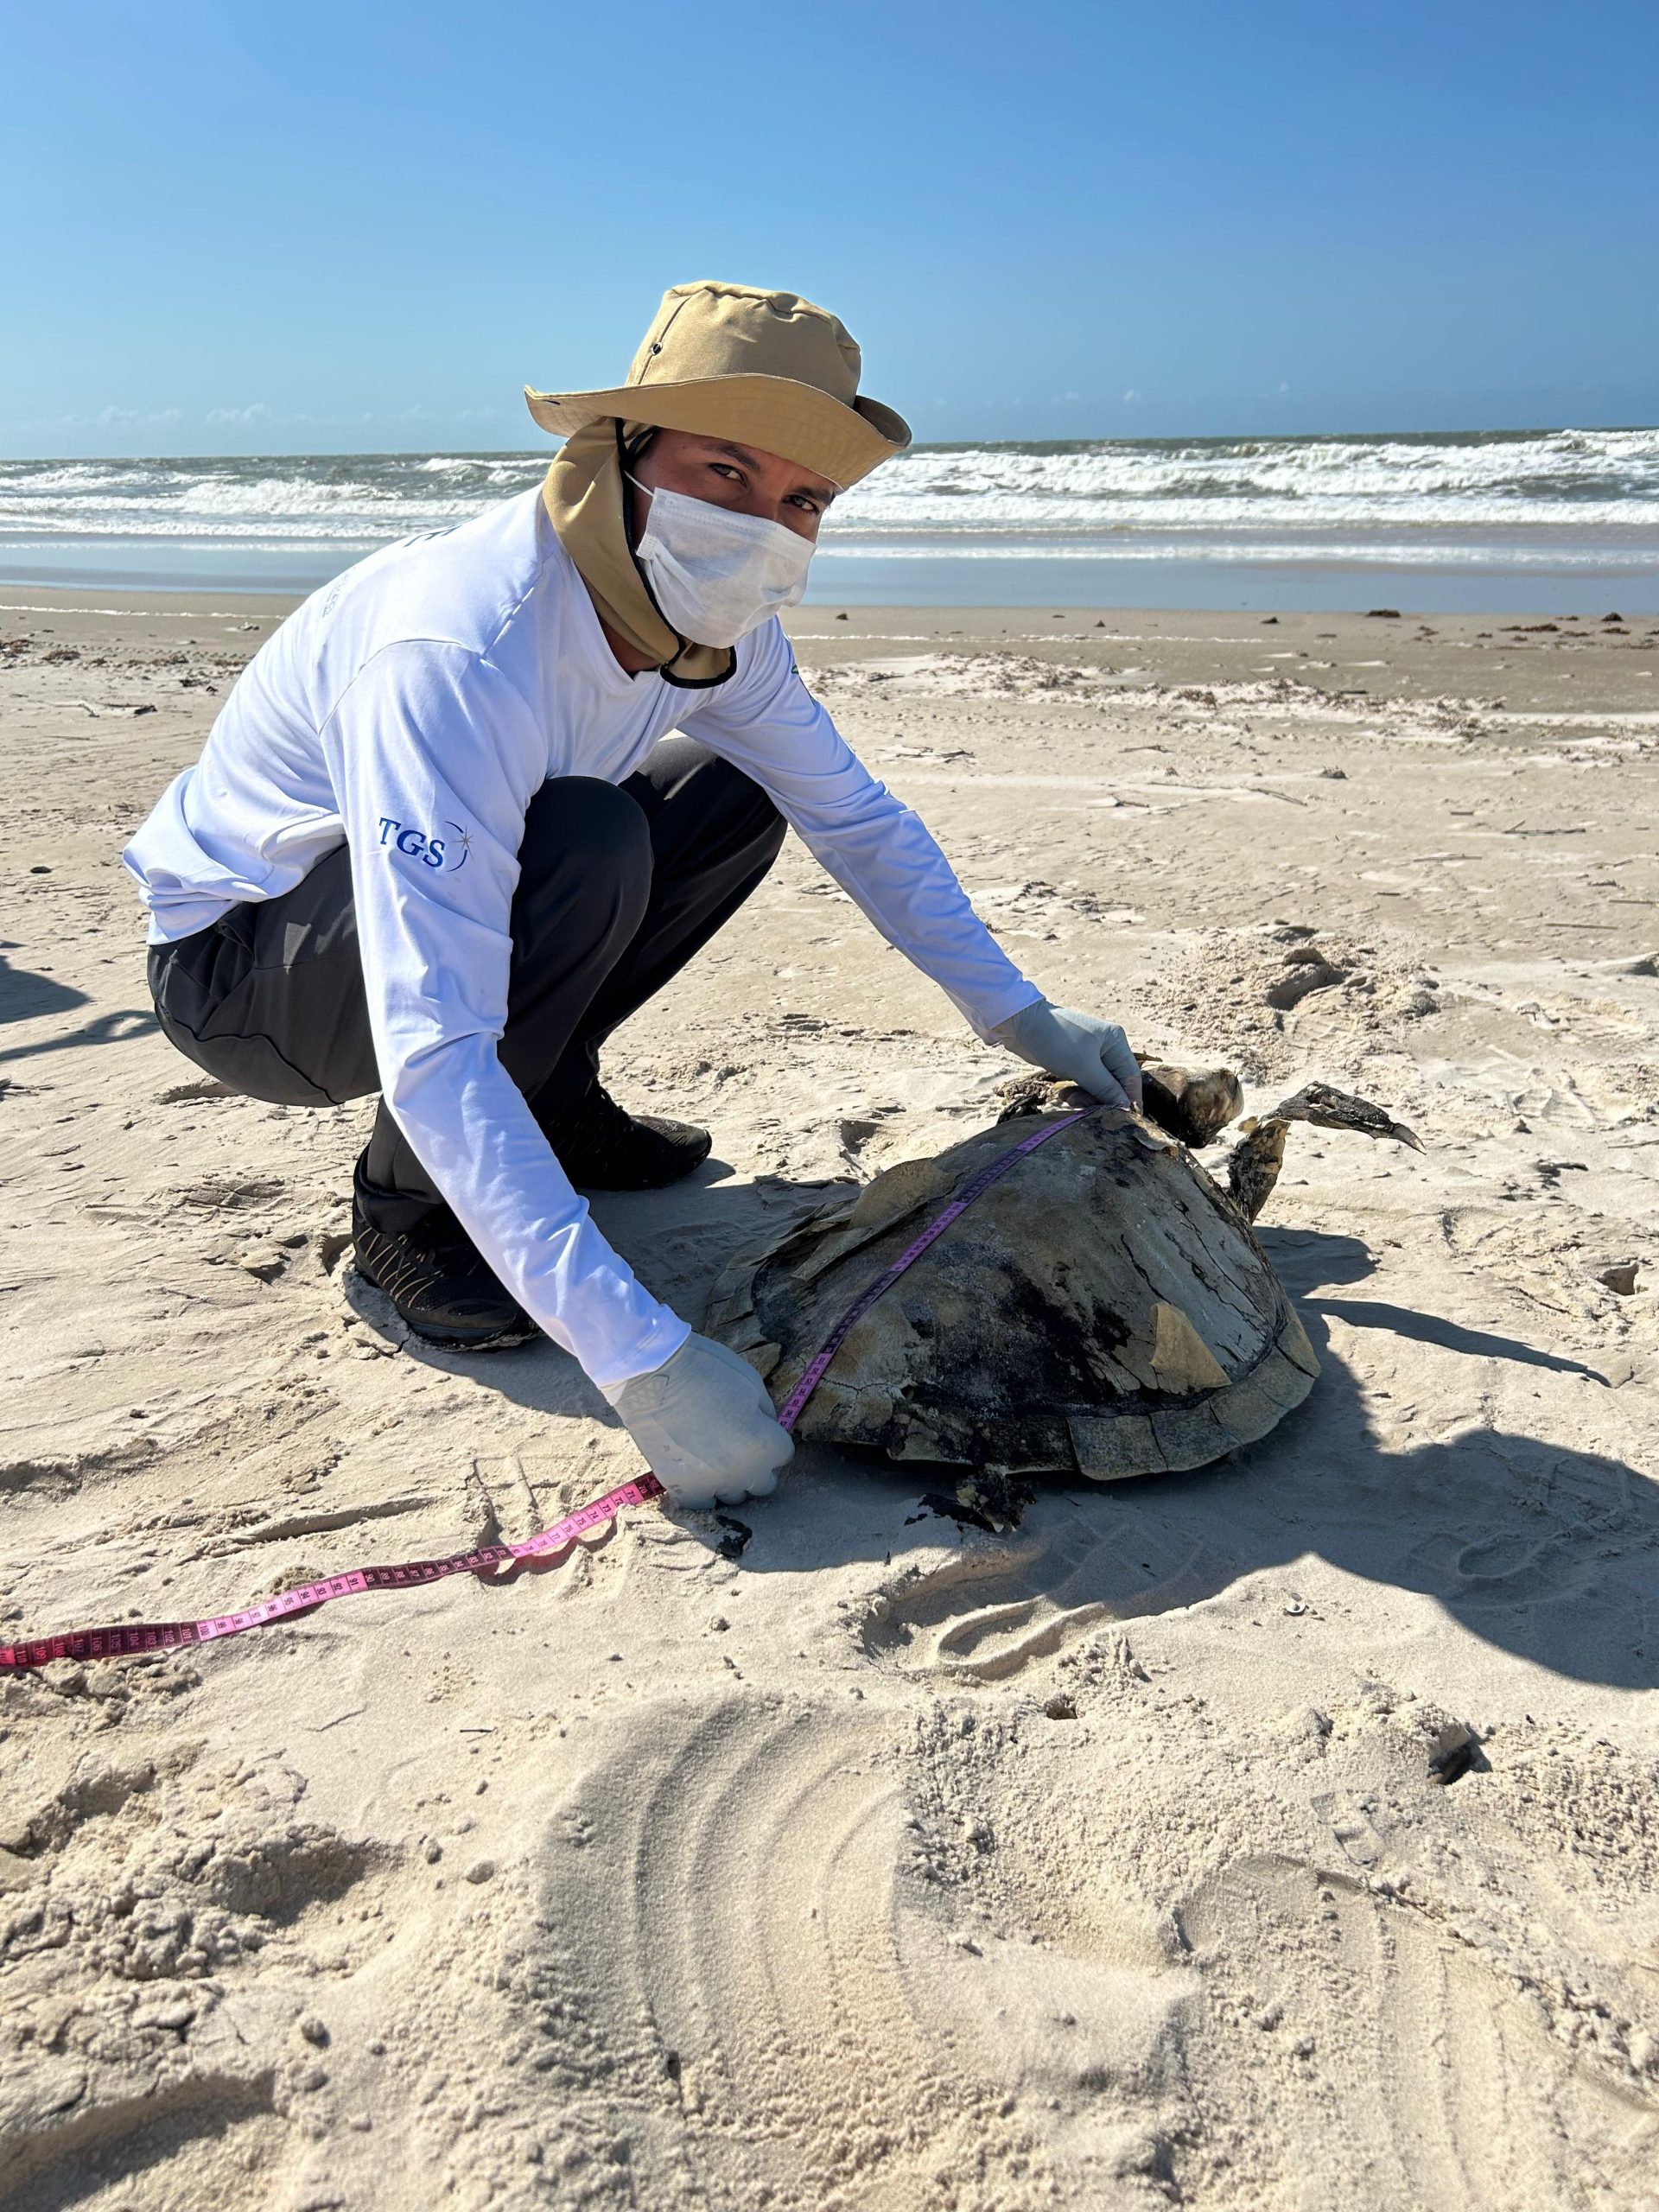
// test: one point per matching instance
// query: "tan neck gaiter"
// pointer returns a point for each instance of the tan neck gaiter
(583, 495)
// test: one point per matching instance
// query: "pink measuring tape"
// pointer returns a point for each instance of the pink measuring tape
(123, 1639)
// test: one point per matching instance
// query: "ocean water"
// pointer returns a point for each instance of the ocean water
(1489, 520)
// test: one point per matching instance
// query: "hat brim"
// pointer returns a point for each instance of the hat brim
(796, 421)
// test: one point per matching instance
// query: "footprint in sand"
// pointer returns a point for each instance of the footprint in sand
(1509, 1569)
(988, 1614)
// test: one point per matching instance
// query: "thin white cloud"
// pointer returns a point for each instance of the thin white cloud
(257, 413)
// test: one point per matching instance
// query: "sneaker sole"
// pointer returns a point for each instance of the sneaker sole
(486, 1340)
(520, 1332)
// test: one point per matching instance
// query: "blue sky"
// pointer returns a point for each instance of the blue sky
(314, 228)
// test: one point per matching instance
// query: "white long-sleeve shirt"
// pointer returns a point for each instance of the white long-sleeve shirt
(412, 709)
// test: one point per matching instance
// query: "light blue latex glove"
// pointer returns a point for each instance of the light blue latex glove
(1092, 1054)
(704, 1426)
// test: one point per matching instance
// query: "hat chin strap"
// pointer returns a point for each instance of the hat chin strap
(584, 495)
(630, 448)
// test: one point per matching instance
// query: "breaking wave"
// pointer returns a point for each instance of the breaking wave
(1564, 497)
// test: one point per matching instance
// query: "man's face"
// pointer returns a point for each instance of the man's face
(743, 478)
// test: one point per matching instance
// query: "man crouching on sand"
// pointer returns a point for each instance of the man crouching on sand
(440, 842)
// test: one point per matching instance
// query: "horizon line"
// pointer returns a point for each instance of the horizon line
(919, 445)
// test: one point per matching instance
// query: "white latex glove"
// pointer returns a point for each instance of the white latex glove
(1092, 1054)
(705, 1425)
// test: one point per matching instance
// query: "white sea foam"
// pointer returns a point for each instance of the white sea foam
(1400, 552)
(1561, 498)
(1578, 478)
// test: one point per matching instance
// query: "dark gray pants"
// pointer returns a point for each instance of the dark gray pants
(618, 886)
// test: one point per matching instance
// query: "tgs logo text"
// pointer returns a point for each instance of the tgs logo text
(434, 852)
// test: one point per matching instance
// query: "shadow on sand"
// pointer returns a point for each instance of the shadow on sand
(1543, 1550)
(25, 996)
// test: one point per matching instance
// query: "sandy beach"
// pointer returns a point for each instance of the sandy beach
(833, 1854)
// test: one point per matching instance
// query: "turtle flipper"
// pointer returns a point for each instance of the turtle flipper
(1329, 1109)
(1253, 1163)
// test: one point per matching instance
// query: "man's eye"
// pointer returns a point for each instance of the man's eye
(724, 468)
(804, 500)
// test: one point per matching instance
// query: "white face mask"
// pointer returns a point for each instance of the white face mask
(716, 575)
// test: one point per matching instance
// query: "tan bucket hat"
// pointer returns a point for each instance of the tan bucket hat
(766, 368)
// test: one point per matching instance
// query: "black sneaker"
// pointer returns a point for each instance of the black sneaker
(607, 1149)
(440, 1284)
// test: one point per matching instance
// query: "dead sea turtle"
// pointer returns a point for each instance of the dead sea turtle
(1103, 1309)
